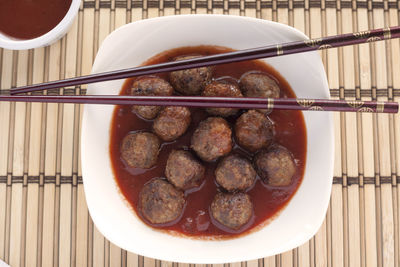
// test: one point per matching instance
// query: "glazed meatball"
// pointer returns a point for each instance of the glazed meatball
(190, 81)
(140, 149)
(212, 139)
(150, 85)
(276, 166)
(258, 84)
(183, 170)
(235, 173)
(254, 130)
(232, 210)
(161, 202)
(172, 122)
(222, 88)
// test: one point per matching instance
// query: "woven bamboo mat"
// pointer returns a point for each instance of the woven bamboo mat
(43, 214)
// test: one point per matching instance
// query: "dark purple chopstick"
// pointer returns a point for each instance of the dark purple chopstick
(219, 102)
(242, 55)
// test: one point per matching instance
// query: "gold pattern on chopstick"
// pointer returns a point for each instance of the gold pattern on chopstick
(325, 46)
(313, 42)
(380, 106)
(355, 103)
(373, 39)
(305, 102)
(361, 34)
(365, 109)
(387, 34)
(318, 108)
(279, 50)
(270, 105)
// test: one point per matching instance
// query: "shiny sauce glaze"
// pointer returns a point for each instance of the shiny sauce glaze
(196, 220)
(28, 19)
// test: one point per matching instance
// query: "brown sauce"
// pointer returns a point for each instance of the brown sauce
(28, 19)
(196, 220)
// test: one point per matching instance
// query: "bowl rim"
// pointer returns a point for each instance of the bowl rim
(293, 243)
(46, 39)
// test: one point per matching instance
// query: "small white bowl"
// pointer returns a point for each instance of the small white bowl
(131, 45)
(46, 39)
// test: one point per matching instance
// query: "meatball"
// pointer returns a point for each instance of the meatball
(172, 122)
(212, 139)
(150, 85)
(183, 170)
(140, 149)
(276, 166)
(161, 202)
(258, 84)
(232, 210)
(235, 173)
(254, 130)
(222, 88)
(190, 81)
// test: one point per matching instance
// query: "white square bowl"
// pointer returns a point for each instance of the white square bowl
(134, 43)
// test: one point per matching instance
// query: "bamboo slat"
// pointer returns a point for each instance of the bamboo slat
(367, 155)
(82, 235)
(266, 13)
(387, 237)
(3, 208)
(5, 82)
(98, 251)
(48, 225)
(87, 41)
(337, 226)
(395, 146)
(235, 264)
(150, 262)
(169, 10)
(32, 224)
(15, 225)
(4, 133)
(65, 213)
(393, 213)
(133, 260)
(115, 255)
(120, 17)
(17, 129)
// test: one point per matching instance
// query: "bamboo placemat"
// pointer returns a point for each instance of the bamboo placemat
(43, 214)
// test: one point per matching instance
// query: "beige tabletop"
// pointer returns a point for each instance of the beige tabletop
(43, 214)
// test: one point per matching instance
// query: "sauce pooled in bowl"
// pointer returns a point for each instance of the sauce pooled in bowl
(23, 19)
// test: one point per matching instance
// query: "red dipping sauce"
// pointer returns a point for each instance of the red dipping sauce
(28, 19)
(196, 220)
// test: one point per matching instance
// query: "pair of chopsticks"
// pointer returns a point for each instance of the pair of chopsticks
(237, 56)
